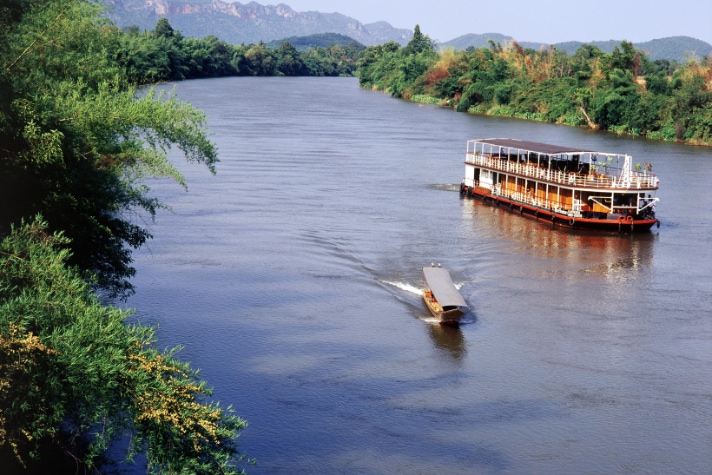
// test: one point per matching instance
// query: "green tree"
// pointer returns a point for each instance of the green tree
(289, 60)
(164, 29)
(208, 57)
(258, 61)
(692, 103)
(74, 377)
(657, 83)
(625, 57)
(420, 43)
(141, 58)
(78, 140)
(615, 105)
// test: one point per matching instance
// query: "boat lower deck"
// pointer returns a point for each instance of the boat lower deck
(593, 220)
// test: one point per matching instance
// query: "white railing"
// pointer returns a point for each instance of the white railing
(610, 178)
(528, 198)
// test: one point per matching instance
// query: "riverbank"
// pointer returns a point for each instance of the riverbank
(500, 111)
(622, 92)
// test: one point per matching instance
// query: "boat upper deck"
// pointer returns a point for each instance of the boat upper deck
(563, 166)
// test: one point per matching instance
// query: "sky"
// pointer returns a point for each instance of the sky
(541, 21)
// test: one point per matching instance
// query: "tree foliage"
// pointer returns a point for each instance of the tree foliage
(164, 54)
(75, 376)
(622, 91)
(77, 141)
(400, 71)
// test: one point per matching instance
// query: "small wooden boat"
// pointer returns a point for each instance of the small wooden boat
(442, 297)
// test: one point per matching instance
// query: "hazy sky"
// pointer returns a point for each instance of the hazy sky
(545, 21)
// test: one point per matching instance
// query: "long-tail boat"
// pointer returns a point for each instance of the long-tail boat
(442, 297)
(565, 186)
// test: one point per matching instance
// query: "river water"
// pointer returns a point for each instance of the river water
(292, 279)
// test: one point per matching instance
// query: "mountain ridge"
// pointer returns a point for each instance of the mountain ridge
(677, 48)
(253, 22)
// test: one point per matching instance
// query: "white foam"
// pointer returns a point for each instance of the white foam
(404, 286)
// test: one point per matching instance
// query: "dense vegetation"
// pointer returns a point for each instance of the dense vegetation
(321, 40)
(164, 54)
(622, 91)
(76, 142)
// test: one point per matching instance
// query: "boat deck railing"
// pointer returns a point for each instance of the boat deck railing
(560, 206)
(610, 178)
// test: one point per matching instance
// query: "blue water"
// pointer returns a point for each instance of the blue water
(292, 278)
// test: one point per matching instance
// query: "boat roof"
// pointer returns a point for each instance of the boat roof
(439, 282)
(543, 148)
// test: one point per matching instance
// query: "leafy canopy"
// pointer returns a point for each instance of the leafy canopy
(78, 140)
(75, 375)
(622, 91)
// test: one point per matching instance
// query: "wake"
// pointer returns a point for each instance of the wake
(403, 286)
(413, 289)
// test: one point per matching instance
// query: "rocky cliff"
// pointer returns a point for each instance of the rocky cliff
(246, 23)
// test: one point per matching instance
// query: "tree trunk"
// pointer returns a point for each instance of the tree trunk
(591, 123)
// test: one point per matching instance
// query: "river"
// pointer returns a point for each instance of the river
(292, 280)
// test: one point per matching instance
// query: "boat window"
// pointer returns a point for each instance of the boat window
(625, 199)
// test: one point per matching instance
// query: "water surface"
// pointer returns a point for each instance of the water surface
(292, 278)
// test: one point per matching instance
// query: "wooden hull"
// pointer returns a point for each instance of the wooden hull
(445, 317)
(620, 225)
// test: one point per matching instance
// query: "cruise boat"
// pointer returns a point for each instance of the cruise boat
(565, 186)
(442, 297)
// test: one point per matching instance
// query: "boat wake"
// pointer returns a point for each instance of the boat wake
(423, 316)
(413, 289)
(430, 320)
(403, 286)
(446, 186)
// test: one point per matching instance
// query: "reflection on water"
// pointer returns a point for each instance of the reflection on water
(585, 251)
(448, 339)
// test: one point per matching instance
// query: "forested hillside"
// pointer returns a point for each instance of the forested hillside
(623, 91)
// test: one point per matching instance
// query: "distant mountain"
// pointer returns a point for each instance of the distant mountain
(475, 40)
(238, 23)
(678, 48)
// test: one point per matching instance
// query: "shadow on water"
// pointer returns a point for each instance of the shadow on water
(448, 339)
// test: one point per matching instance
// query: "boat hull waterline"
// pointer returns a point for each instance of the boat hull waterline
(564, 186)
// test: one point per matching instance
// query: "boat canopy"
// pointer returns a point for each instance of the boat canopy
(535, 147)
(555, 157)
(439, 282)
